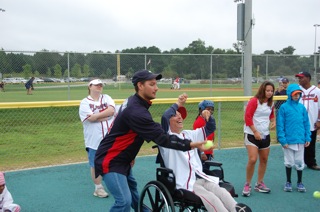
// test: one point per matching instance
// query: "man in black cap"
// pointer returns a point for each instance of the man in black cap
(281, 91)
(310, 99)
(133, 125)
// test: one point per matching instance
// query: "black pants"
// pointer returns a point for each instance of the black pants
(310, 151)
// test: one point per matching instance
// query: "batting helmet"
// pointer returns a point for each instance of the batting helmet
(205, 103)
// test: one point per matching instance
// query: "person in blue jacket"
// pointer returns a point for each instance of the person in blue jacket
(293, 132)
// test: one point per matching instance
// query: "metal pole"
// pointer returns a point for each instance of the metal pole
(211, 74)
(145, 62)
(315, 53)
(242, 64)
(219, 125)
(68, 77)
(248, 49)
(267, 62)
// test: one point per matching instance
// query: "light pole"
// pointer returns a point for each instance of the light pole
(315, 52)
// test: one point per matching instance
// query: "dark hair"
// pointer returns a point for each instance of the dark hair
(136, 85)
(261, 94)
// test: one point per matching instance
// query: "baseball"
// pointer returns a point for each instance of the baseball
(316, 194)
(208, 145)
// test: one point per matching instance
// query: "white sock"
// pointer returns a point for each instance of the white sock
(98, 186)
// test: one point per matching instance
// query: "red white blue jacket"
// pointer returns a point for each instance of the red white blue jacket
(132, 126)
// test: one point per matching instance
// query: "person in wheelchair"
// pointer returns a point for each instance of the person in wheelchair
(187, 166)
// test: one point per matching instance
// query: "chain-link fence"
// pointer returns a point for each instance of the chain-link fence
(72, 69)
(38, 134)
(41, 134)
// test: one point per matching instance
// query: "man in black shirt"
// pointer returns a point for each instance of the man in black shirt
(281, 91)
(132, 126)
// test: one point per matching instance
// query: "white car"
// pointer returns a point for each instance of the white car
(38, 80)
(20, 80)
(8, 80)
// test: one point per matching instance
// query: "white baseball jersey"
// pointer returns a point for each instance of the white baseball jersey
(310, 99)
(6, 201)
(94, 132)
(261, 118)
(186, 164)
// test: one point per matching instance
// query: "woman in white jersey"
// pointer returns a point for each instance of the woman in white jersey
(96, 113)
(259, 118)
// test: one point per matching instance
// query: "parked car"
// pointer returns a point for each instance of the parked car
(38, 80)
(85, 79)
(14, 80)
(21, 80)
(167, 80)
(70, 79)
(48, 80)
(8, 80)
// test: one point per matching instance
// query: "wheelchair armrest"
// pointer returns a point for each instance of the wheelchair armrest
(167, 177)
(164, 170)
(213, 163)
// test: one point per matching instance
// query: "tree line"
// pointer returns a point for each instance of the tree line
(196, 61)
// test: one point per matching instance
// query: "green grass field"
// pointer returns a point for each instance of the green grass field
(33, 137)
(77, 91)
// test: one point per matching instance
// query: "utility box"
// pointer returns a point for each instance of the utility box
(240, 22)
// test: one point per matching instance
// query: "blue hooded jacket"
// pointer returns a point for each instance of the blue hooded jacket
(293, 125)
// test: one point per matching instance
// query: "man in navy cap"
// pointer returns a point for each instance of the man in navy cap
(133, 125)
(281, 91)
(310, 99)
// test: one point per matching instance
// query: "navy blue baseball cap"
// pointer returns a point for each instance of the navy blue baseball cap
(144, 75)
(303, 74)
(285, 80)
(165, 121)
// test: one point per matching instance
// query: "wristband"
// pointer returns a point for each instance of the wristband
(318, 120)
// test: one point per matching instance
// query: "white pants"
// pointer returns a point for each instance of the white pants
(294, 156)
(214, 198)
(176, 85)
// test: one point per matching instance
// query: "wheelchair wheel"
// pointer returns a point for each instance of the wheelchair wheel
(156, 197)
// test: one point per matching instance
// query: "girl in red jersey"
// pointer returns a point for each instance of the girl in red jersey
(201, 122)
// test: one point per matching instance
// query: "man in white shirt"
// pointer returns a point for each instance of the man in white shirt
(310, 99)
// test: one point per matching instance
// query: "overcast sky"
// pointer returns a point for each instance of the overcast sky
(110, 25)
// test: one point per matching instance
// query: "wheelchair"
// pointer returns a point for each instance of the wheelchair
(162, 195)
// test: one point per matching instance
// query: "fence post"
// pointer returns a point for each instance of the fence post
(219, 125)
(68, 76)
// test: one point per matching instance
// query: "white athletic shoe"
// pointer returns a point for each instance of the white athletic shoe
(100, 192)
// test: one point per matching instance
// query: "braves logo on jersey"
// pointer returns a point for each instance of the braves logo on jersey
(308, 97)
(98, 108)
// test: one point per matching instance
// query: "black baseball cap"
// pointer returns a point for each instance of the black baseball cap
(303, 74)
(144, 75)
(285, 80)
